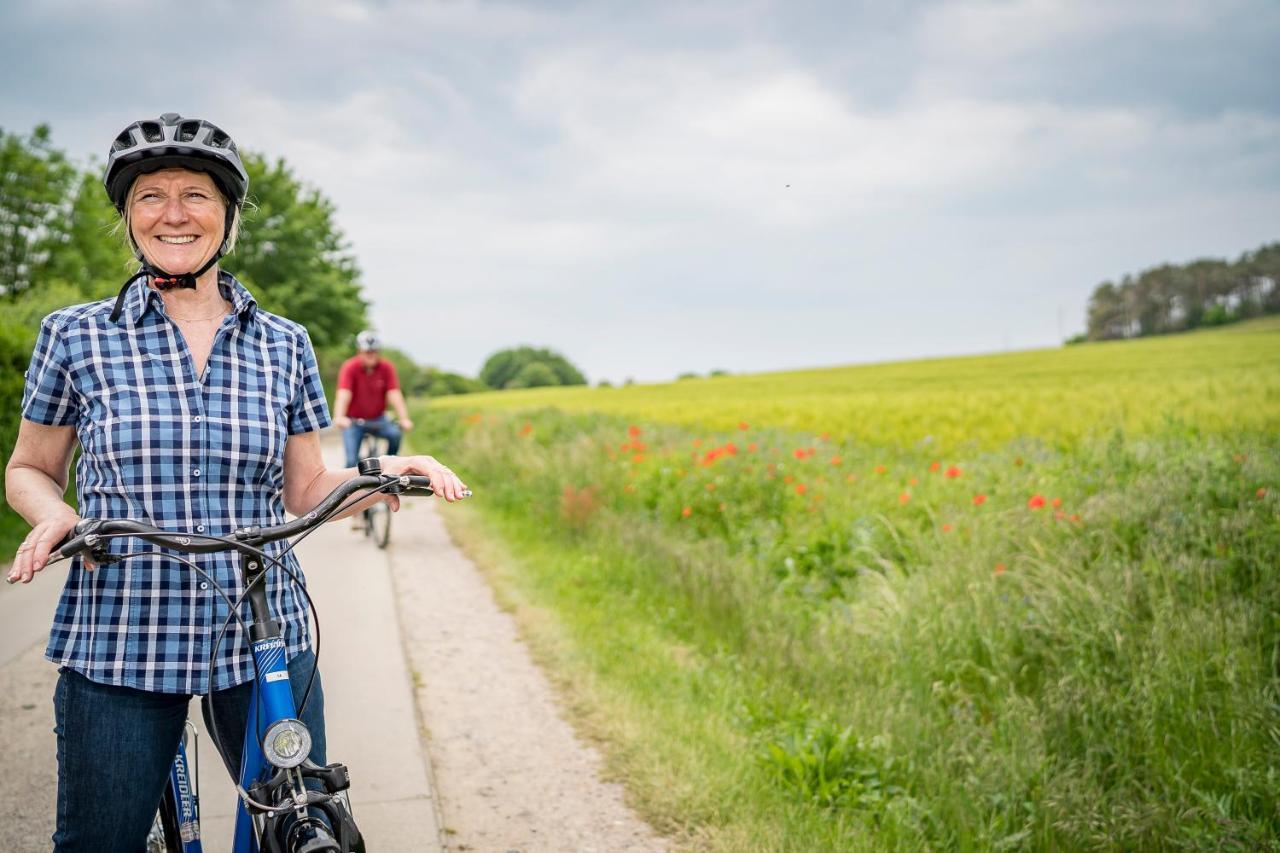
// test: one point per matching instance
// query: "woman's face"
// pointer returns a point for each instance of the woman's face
(176, 217)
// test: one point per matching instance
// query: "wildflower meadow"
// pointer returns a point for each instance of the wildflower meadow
(1023, 601)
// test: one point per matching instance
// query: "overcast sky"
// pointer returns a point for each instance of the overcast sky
(653, 188)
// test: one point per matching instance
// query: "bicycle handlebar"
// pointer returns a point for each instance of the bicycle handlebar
(88, 534)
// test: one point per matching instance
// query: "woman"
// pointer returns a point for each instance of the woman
(194, 410)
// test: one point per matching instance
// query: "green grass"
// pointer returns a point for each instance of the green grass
(803, 643)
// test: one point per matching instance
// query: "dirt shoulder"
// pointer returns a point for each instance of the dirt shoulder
(509, 771)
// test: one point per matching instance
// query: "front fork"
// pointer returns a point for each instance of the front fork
(268, 796)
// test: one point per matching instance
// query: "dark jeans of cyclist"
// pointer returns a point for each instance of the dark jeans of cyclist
(116, 744)
(381, 426)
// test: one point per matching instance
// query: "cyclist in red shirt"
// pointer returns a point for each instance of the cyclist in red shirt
(366, 383)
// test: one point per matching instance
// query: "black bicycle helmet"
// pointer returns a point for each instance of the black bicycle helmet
(168, 142)
(172, 141)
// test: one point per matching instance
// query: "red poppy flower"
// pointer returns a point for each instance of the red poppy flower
(1018, 461)
(946, 528)
(1056, 502)
(744, 426)
(1262, 493)
(952, 473)
(798, 453)
(905, 497)
(711, 487)
(686, 512)
(999, 569)
(1035, 502)
(801, 488)
(979, 500)
(835, 460)
(637, 459)
(880, 469)
(633, 431)
(913, 481)
(527, 429)
(934, 467)
(752, 447)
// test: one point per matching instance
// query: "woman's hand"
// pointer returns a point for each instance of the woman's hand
(33, 553)
(444, 482)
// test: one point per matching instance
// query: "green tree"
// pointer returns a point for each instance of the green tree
(507, 366)
(1106, 318)
(535, 374)
(293, 257)
(93, 254)
(35, 191)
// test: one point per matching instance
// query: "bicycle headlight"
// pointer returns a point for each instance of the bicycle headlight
(287, 744)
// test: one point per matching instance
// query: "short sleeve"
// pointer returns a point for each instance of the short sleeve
(47, 394)
(308, 411)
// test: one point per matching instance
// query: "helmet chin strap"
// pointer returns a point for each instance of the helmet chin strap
(165, 281)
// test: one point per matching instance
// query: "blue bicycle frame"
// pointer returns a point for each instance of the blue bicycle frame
(186, 800)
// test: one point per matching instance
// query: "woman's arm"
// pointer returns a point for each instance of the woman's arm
(307, 479)
(34, 481)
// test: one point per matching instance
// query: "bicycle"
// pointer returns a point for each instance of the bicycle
(277, 811)
(376, 518)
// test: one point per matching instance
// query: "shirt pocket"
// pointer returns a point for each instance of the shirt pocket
(258, 424)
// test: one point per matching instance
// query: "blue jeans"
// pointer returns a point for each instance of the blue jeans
(381, 426)
(115, 746)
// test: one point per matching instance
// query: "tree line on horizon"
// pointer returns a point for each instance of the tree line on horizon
(1179, 297)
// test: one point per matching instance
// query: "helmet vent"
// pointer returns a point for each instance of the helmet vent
(124, 140)
(218, 139)
(151, 131)
(187, 131)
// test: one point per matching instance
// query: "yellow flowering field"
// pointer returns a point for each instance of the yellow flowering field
(1212, 380)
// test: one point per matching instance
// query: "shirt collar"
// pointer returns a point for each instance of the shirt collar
(141, 298)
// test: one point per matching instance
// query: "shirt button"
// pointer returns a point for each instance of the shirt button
(195, 473)
(204, 585)
(196, 419)
(199, 528)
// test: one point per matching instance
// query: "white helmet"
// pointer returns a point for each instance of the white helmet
(367, 341)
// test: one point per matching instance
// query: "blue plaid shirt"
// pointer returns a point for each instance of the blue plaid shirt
(183, 452)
